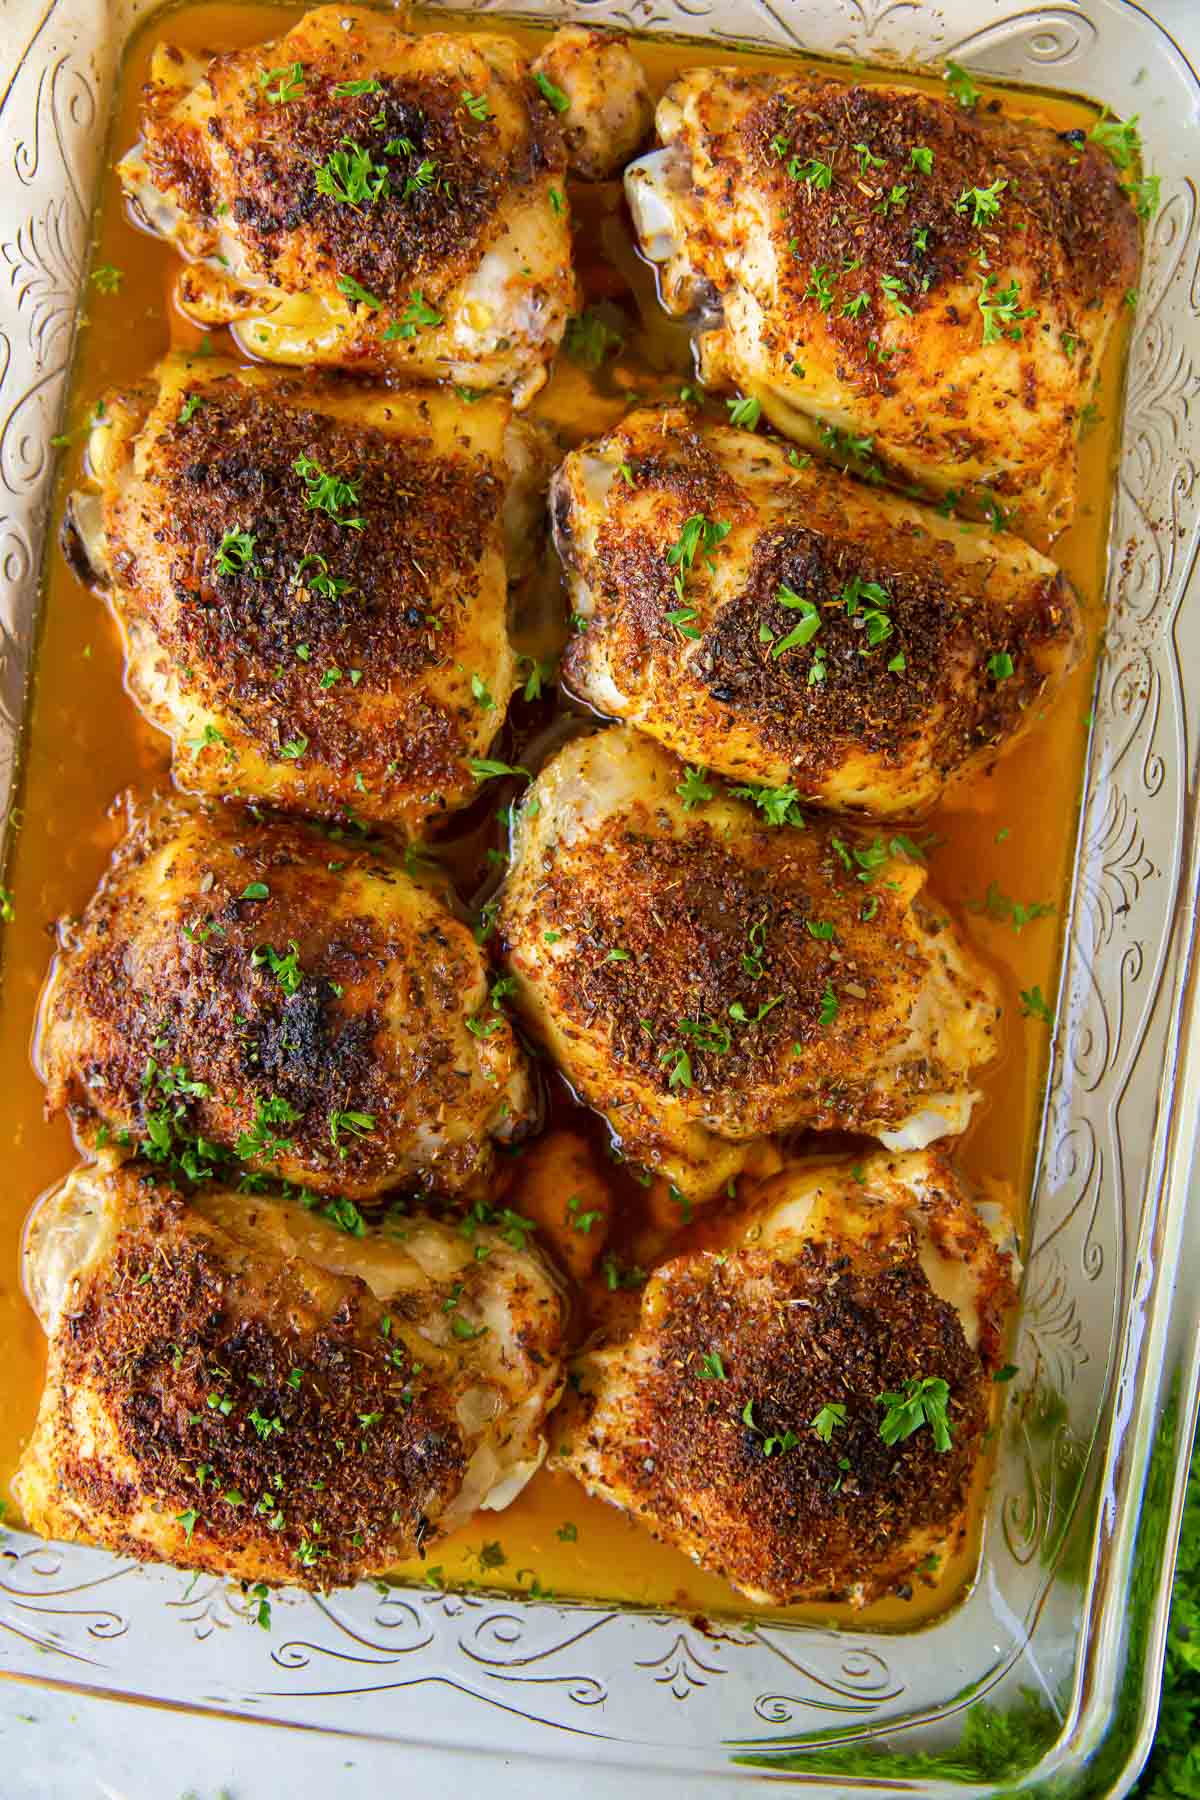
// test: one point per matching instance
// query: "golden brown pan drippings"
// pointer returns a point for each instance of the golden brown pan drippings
(1014, 828)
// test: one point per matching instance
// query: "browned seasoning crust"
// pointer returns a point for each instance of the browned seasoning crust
(705, 979)
(865, 288)
(171, 968)
(331, 670)
(424, 234)
(793, 1328)
(232, 1407)
(1061, 208)
(853, 725)
(355, 194)
(684, 911)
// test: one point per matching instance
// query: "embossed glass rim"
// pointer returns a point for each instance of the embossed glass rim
(1109, 1347)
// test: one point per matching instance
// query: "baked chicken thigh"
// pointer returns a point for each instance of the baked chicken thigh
(599, 90)
(251, 989)
(311, 580)
(779, 622)
(801, 1404)
(235, 1384)
(896, 273)
(356, 195)
(705, 978)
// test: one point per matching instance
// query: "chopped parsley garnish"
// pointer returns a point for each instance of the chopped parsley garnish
(867, 600)
(554, 95)
(235, 554)
(698, 536)
(417, 315)
(808, 627)
(348, 1124)
(255, 890)
(329, 493)
(681, 618)
(745, 411)
(1034, 1006)
(711, 1367)
(344, 1214)
(581, 1220)
(893, 286)
(464, 1330)
(354, 291)
(105, 279)
(484, 767)
(737, 1011)
(350, 90)
(693, 790)
(752, 959)
(1119, 138)
(828, 1420)
(262, 1139)
(960, 84)
(819, 287)
(1000, 666)
(1007, 911)
(921, 159)
(476, 105)
(350, 176)
(491, 1016)
(590, 340)
(541, 675)
(617, 1277)
(286, 968)
(1146, 195)
(289, 84)
(830, 1005)
(1001, 312)
(984, 202)
(191, 404)
(779, 806)
(922, 1401)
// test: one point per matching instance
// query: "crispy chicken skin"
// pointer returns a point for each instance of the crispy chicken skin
(608, 111)
(837, 1286)
(301, 1003)
(435, 245)
(348, 657)
(236, 1385)
(850, 279)
(704, 979)
(838, 639)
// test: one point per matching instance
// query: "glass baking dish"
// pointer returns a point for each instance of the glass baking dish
(1044, 1678)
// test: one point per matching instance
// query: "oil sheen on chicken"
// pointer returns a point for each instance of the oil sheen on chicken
(742, 1415)
(896, 275)
(782, 623)
(248, 989)
(236, 1384)
(352, 194)
(311, 580)
(705, 978)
